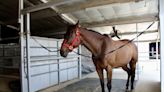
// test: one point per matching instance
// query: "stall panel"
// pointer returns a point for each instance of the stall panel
(47, 66)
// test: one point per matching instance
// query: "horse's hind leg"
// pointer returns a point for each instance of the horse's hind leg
(101, 76)
(129, 74)
(109, 77)
(133, 68)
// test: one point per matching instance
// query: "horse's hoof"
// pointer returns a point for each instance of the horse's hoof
(127, 88)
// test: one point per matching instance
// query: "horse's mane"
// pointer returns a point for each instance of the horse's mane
(106, 35)
(95, 32)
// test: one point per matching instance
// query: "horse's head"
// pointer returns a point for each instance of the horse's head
(71, 39)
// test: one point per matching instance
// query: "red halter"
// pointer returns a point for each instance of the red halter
(76, 39)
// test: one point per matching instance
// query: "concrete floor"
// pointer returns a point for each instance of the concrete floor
(148, 81)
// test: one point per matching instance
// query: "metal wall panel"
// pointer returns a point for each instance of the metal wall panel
(36, 70)
(48, 68)
(53, 67)
(53, 78)
(72, 73)
(63, 75)
(40, 82)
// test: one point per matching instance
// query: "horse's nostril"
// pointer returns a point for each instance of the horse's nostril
(63, 54)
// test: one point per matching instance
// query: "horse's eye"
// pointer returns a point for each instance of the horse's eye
(66, 36)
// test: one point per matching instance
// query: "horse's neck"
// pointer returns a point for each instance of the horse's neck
(91, 40)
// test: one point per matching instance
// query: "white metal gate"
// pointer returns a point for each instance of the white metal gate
(49, 68)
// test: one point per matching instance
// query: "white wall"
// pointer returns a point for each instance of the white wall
(146, 64)
(162, 42)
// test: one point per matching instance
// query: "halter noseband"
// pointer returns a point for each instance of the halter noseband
(76, 39)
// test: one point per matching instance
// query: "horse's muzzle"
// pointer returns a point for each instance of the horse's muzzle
(63, 54)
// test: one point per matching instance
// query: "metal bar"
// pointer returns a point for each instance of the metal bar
(161, 15)
(157, 52)
(58, 63)
(138, 53)
(21, 21)
(79, 63)
(0, 32)
(9, 38)
(28, 51)
(45, 5)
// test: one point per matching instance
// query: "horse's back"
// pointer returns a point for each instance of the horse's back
(133, 48)
(127, 52)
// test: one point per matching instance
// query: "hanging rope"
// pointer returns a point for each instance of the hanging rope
(44, 46)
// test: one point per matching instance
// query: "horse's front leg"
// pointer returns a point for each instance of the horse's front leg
(109, 77)
(101, 76)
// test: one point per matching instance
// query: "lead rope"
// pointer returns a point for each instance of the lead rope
(121, 45)
(131, 39)
(105, 53)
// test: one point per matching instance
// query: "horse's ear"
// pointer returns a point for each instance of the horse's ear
(77, 24)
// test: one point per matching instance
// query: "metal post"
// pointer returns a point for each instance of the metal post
(157, 52)
(0, 33)
(21, 21)
(28, 52)
(58, 63)
(138, 65)
(79, 63)
(161, 15)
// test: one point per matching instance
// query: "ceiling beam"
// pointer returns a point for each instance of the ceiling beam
(45, 5)
(74, 7)
(50, 32)
(131, 33)
(153, 40)
(9, 25)
(123, 20)
(90, 3)
(43, 14)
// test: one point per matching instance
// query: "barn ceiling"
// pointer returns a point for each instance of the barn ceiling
(52, 21)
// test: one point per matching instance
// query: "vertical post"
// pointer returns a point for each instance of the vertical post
(0, 32)
(21, 22)
(28, 52)
(156, 53)
(79, 63)
(138, 66)
(58, 63)
(161, 15)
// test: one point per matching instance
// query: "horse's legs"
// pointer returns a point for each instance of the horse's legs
(129, 73)
(101, 76)
(133, 68)
(109, 77)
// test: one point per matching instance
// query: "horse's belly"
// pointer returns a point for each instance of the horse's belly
(122, 62)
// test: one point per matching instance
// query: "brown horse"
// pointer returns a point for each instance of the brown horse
(106, 53)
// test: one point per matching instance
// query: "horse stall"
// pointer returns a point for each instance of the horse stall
(47, 68)
(37, 35)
